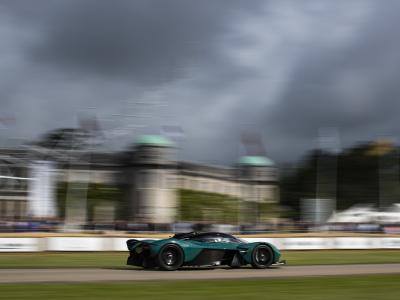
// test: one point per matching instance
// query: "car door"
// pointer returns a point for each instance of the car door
(214, 249)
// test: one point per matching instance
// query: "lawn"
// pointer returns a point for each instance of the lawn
(336, 257)
(63, 260)
(118, 259)
(347, 287)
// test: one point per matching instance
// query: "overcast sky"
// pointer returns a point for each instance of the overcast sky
(284, 69)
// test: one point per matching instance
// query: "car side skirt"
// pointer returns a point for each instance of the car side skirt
(209, 257)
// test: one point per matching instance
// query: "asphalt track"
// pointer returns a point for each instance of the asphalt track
(92, 275)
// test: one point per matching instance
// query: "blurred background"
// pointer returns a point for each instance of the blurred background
(66, 181)
(274, 116)
(274, 120)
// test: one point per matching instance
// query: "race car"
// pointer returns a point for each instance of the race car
(201, 249)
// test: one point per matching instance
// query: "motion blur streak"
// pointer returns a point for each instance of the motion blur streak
(275, 121)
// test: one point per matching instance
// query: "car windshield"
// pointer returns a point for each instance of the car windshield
(240, 240)
(209, 237)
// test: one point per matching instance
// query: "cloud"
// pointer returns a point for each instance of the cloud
(145, 41)
(284, 69)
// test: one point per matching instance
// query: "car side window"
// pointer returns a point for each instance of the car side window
(219, 238)
(206, 239)
(224, 240)
(234, 240)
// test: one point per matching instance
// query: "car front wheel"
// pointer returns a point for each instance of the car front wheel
(262, 257)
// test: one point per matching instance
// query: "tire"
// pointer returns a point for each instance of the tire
(262, 257)
(170, 257)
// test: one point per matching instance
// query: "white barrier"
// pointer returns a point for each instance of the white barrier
(119, 244)
(75, 244)
(306, 243)
(357, 243)
(19, 244)
(390, 243)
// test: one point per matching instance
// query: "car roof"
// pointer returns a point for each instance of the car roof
(190, 235)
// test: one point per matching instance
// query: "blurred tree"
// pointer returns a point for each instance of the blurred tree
(65, 139)
(359, 177)
(97, 194)
(195, 206)
(268, 211)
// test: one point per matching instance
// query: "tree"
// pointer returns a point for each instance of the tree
(361, 173)
(65, 139)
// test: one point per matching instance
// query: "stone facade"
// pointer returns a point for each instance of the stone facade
(148, 174)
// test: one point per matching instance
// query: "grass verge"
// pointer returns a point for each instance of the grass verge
(383, 287)
(118, 259)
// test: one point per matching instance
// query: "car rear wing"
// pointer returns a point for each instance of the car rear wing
(131, 244)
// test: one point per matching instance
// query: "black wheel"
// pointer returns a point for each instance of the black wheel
(262, 257)
(170, 257)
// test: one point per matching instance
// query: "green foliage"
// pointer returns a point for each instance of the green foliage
(65, 138)
(197, 206)
(96, 194)
(362, 174)
(268, 210)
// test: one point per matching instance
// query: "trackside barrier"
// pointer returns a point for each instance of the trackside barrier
(119, 244)
(75, 244)
(19, 244)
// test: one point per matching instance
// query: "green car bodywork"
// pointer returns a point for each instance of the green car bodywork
(192, 248)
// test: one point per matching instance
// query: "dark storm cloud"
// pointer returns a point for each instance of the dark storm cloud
(353, 89)
(282, 68)
(67, 54)
(148, 41)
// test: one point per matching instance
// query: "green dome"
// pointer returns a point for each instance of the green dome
(259, 161)
(153, 140)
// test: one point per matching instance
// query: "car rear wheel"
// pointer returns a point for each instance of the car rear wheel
(170, 257)
(262, 257)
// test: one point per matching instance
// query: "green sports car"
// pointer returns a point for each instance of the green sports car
(201, 249)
